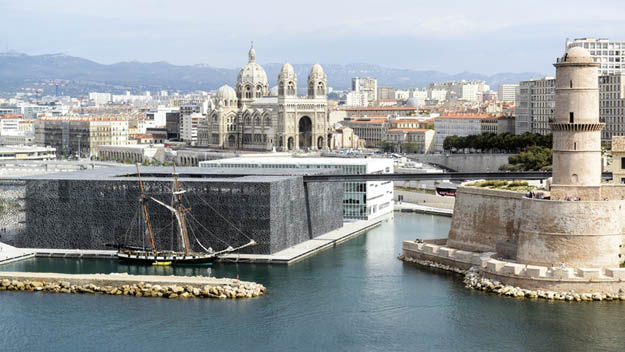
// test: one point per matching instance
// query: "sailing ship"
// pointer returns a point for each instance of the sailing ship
(154, 256)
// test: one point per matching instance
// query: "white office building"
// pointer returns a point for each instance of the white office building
(361, 200)
(508, 92)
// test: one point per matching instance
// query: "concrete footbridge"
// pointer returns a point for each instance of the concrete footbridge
(459, 176)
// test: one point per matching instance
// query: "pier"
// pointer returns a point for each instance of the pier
(131, 285)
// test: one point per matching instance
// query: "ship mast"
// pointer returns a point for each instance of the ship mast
(180, 211)
(145, 210)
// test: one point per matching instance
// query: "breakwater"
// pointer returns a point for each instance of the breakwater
(473, 279)
(131, 285)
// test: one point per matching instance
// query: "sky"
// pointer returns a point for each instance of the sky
(450, 36)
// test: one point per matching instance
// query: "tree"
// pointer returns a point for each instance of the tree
(387, 147)
(536, 158)
(409, 148)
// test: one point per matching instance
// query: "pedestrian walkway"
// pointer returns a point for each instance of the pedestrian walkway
(417, 208)
(9, 254)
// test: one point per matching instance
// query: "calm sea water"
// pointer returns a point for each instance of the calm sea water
(354, 297)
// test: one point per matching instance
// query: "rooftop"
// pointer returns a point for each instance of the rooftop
(296, 161)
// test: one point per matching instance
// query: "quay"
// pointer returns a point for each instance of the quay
(289, 255)
(417, 208)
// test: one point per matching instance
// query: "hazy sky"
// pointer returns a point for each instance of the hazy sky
(445, 35)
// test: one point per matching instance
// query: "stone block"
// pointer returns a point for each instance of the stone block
(446, 252)
(589, 273)
(563, 273)
(431, 248)
(476, 259)
(617, 273)
(535, 271)
(494, 265)
(513, 269)
(410, 245)
(464, 256)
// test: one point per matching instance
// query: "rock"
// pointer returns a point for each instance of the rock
(196, 292)
(6, 283)
(173, 295)
(185, 295)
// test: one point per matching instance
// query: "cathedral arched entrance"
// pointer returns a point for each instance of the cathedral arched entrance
(232, 141)
(320, 143)
(305, 132)
(290, 143)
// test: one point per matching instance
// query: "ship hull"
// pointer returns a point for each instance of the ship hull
(148, 258)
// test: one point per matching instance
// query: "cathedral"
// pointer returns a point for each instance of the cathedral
(253, 117)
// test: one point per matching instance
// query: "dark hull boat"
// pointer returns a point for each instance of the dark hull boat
(141, 257)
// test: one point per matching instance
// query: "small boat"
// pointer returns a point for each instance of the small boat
(157, 257)
(446, 189)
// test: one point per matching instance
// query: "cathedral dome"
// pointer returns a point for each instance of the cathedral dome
(317, 72)
(287, 72)
(252, 73)
(226, 92)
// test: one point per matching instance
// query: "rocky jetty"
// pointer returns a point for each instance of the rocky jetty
(473, 280)
(221, 289)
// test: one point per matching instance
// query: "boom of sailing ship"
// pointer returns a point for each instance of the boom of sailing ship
(185, 256)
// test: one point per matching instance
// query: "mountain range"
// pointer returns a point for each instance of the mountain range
(80, 76)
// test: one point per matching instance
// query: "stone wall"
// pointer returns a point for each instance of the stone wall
(86, 214)
(465, 162)
(484, 219)
(542, 232)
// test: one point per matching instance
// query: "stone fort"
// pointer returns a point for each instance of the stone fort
(572, 241)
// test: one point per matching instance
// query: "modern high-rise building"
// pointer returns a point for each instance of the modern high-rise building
(508, 92)
(367, 85)
(609, 54)
(612, 105)
(535, 106)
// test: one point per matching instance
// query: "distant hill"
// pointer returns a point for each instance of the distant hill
(19, 70)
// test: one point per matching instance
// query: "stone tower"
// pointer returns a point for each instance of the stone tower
(576, 128)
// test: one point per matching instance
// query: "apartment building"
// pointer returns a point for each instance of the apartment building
(370, 128)
(422, 139)
(80, 136)
(459, 125)
(612, 105)
(367, 85)
(535, 106)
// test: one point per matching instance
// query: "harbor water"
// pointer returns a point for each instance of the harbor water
(356, 296)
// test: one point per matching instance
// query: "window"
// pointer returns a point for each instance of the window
(571, 117)
(623, 163)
